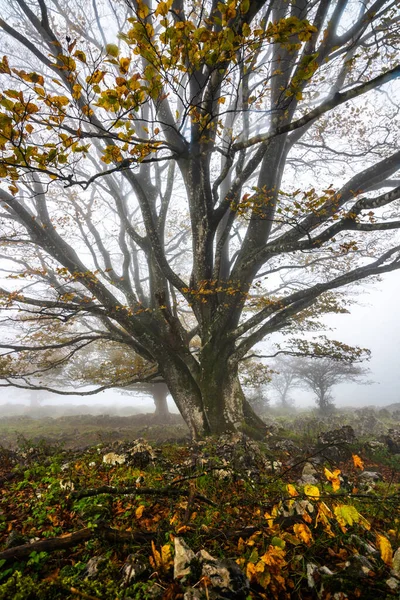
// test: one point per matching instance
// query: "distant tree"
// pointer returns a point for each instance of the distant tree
(321, 374)
(254, 376)
(284, 380)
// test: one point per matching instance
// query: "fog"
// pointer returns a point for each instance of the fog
(372, 323)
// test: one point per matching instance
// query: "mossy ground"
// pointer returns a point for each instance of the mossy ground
(250, 516)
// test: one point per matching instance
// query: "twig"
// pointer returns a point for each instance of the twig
(61, 543)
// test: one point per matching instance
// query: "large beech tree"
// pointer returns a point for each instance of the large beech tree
(188, 178)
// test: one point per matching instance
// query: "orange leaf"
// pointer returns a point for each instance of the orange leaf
(358, 463)
(292, 490)
(303, 532)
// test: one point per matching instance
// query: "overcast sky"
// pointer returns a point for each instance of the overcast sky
(374, 323)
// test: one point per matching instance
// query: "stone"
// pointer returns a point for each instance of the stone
(132, 570)
(392, 583)
(92, 566)
(392, 440)
(193, 594)
(335, 443)
(182, 559)
(370, 476)
(15, 539)
(226, 580)
(308, 475)
(396, 564)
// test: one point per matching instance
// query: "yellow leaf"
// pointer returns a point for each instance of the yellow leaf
(333, 478)
(221, 100)
(358, 463)
(80, 55)
(13, 189)
(163, 8)
(95, 77)
(112, 50)
(251, 572)
(385, 549)
(303, 532)
(155, 560)
(124, 64)
(166, 556)
(311, 490)
(31, 108)
(346, 515)
(246, 29)
(76, 91)
(142, 10)
(139, 511)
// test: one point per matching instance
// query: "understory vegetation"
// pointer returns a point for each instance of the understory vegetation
(298, 515)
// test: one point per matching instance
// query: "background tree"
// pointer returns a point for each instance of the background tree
(322, 374)
(271, 123)
(284, 380)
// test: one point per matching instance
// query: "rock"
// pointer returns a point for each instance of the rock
(363, 545)
(154, 592)
(285, 446)
(111, 458)
(370, 476)
(193, 594)
(396, 564)
(132, 570)
(308, 475)
(15, 539)
(392, 583)
(392, 440)
(92, 566)
(273, 466)
(375, 446)
(335, 443)
(312, 569)
(140, 454)
(344, 434)
(234, 453)
(182, 559)
(226, 580)
(358, 567)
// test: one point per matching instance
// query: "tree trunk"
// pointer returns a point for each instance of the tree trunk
(214, 402)
(160, 392)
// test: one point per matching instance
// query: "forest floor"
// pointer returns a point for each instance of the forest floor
(89, 511)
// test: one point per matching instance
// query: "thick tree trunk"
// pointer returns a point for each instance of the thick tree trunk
(214, 403)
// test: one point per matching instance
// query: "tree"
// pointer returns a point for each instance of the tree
(284, 379)
(322, 374)
(254, 376)
(207, 178)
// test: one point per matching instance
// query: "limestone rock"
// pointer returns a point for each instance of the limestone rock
(182, 559)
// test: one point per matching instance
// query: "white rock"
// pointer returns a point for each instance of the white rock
(182, 559)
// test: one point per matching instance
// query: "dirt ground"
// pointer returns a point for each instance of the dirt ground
(77, 432)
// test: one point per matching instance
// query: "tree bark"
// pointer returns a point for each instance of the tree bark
(216, 394)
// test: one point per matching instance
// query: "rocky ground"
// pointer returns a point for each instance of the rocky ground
(307, 517)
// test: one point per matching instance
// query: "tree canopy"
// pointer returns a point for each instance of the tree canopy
(188, 178)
